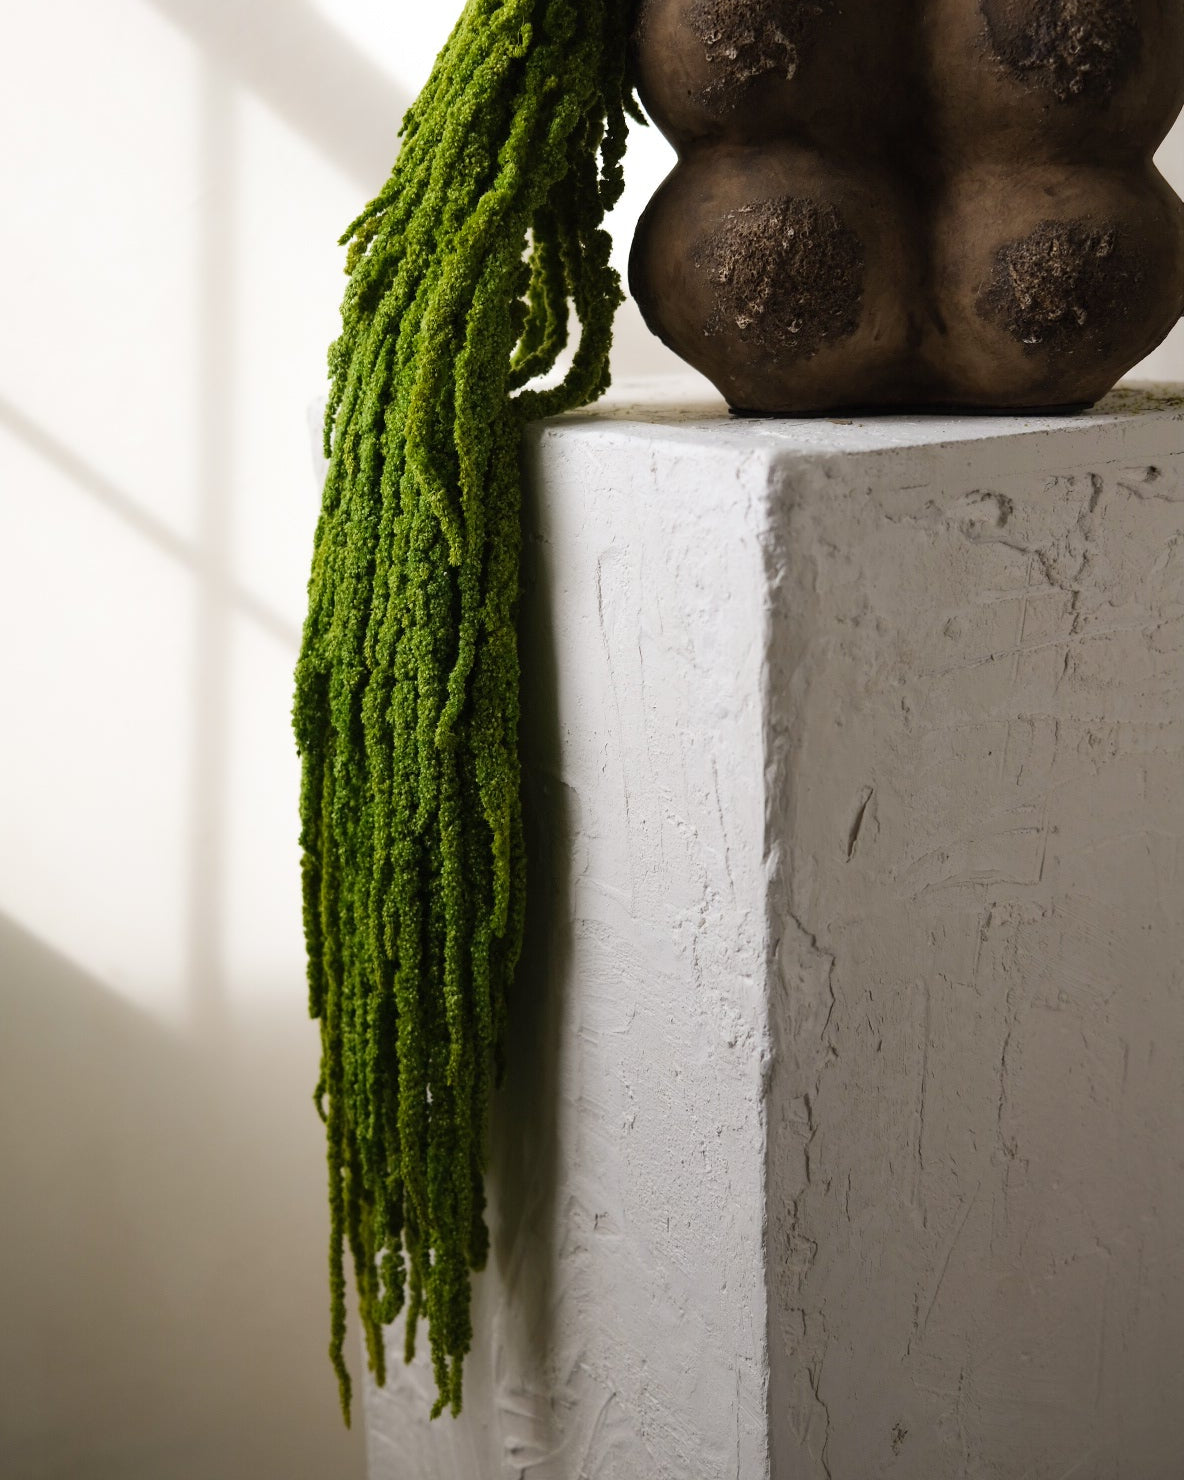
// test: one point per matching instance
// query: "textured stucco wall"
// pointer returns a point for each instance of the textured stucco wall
(845, 1112)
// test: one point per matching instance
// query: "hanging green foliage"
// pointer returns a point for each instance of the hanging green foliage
(461, 273)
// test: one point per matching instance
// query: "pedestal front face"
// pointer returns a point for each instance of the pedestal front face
(844, 1117)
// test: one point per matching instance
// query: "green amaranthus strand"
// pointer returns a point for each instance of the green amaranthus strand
(461, 273)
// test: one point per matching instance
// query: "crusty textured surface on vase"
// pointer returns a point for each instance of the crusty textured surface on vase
(911, 202)
(842, 1131)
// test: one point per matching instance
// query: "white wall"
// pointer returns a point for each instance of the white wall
(174, 175)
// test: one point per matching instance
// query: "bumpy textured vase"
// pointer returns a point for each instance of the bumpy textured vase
(911, 202)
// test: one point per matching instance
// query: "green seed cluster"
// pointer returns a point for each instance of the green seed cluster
(461, 274)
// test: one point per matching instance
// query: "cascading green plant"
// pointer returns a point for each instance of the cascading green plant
(461, 273)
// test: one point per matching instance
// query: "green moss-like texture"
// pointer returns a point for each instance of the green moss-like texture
(461, 273)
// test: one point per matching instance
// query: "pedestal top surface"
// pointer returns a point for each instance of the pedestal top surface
(686, 409)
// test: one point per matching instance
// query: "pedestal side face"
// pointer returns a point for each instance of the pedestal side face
(976, 691)
(621, 1324)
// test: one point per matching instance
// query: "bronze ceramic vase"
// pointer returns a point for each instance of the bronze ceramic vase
(911, 203)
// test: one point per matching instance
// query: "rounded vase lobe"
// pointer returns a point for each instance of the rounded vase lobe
(1072, 79)
(911, 202)
(1051, 285)
(776, 274)
(745, 70)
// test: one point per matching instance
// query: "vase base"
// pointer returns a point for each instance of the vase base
(919, 408)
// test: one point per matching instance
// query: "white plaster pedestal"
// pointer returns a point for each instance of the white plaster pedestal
(844, 1128)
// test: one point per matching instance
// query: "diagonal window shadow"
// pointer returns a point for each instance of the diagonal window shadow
(113, 498)
(313, 77)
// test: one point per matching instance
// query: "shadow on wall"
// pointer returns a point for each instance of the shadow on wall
(163, 1281)
(307, 72)
(158, 1243)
